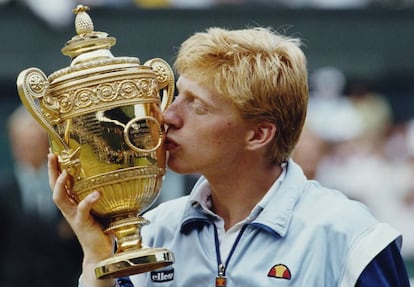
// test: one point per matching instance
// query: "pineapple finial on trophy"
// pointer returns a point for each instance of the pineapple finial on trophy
(83, 23)
(87, 39)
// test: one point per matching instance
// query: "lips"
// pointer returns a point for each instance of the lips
(170, 144)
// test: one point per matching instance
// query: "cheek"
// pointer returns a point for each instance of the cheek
(222, 134)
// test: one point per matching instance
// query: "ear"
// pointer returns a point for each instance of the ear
(260, 135)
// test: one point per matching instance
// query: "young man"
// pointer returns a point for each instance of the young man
(252, 219)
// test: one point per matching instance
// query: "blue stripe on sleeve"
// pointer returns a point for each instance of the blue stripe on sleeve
(387, 269)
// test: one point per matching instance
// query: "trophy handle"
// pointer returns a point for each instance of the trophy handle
(165, 78)
(154, 124)
(32, 84)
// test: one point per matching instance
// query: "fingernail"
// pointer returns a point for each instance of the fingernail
(95, 195)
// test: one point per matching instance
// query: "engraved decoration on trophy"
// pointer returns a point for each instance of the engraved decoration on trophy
(103, 118)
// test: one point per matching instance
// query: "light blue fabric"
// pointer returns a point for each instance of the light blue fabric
(314, 234)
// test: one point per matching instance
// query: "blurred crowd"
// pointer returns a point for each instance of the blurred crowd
(37, 246)
(58, 14)
(352, 143)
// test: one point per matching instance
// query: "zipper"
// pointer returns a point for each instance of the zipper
(221, 279)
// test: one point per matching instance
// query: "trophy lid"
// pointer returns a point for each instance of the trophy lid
(89, 51)
(87, 40)
(95, 80)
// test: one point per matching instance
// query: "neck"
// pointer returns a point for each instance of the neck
(235, 195)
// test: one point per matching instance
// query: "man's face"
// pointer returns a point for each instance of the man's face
(205, 133)
(29, 143)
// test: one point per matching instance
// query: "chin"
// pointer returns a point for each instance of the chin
(177, 167)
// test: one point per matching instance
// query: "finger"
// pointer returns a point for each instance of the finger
(86, 205)
(60, 195)
(53, 170)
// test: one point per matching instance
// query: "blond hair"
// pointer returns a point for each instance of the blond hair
(262, 72)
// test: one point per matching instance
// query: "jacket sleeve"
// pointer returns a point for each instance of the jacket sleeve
(387, 269)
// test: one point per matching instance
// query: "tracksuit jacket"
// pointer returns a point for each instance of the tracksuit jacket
(302, 235)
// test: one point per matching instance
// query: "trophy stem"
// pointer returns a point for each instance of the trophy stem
(127, 231)
(130, 256)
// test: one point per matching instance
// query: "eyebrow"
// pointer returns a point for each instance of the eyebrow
(190, 93)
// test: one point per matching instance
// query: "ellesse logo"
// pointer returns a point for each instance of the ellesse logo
(162, 276)
(280, 271)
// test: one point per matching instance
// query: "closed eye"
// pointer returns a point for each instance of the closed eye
(198, 107)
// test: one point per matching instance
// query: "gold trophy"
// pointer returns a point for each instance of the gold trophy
(103, 118)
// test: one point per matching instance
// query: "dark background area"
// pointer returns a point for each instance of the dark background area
(375, 46)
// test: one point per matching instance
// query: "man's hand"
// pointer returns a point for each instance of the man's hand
(96, 245)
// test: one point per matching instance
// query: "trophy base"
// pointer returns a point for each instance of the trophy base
(134, 262)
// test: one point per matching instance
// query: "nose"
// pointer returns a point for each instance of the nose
(172, 117)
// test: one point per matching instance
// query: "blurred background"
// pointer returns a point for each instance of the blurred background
(359, 134)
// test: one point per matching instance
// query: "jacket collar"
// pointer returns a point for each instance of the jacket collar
(274, 217)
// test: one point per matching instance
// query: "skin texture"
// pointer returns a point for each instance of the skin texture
(205, 126)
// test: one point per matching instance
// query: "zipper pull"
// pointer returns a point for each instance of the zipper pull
(221, 280)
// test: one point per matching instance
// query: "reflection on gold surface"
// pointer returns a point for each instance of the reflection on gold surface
(103, 117)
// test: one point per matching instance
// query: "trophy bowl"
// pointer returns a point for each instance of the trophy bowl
(103, 115)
